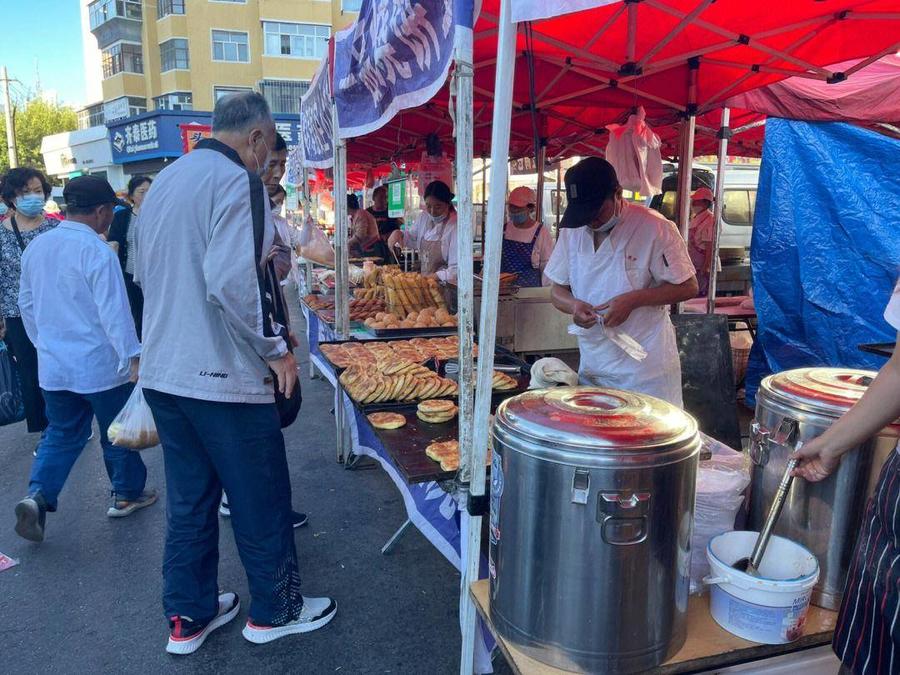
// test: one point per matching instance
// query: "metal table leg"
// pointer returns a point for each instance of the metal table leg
(339, 424)
(395, 538)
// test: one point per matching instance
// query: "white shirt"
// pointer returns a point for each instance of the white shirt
(424, 229)
(892, 311)
(656, 253)
(543, 247)
(75, 310)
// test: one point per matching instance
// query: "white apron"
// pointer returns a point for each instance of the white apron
(599, 276)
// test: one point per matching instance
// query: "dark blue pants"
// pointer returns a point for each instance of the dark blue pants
(209, 446)
(70, 417)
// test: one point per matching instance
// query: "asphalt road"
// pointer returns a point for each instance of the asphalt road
(88, 598)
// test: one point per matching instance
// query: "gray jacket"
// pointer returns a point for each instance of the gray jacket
(195, 260)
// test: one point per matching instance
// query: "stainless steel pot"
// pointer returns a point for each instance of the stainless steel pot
(592, 494)
(799, 405)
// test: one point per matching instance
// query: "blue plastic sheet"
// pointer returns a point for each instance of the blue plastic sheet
(826, 246)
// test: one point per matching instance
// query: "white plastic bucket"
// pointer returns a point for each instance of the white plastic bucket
(770, 608)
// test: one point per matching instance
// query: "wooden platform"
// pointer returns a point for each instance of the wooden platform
(708, 645)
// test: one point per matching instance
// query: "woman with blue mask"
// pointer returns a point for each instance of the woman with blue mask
(433, 234)
(527, 244)
(24, 192)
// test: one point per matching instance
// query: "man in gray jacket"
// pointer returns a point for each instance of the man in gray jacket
(209, 354)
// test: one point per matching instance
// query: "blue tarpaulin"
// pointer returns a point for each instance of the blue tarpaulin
(826, 246)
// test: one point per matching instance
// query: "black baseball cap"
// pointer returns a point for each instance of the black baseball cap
(588, 184)
(86, 191)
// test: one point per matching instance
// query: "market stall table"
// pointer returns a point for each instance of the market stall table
(708, 645)
(732, 307)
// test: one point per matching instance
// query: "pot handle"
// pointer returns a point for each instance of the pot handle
(714, 581)
(761, 438)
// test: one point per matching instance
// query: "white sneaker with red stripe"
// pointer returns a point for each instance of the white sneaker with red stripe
(187, 636)
(316, 613)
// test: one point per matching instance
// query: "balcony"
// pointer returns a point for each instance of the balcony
(115, 20)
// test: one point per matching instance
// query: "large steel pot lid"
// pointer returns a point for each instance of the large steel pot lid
(829, 391)
(596, 421)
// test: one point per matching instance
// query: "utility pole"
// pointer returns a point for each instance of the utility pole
(10, 131)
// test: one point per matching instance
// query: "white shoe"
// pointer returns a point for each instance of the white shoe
(185, 637)
(316, 613)
(224, 508)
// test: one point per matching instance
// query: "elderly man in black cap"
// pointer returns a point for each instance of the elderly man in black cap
(75, 310)
(616, 268)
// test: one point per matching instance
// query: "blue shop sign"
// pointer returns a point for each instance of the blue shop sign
(157, 134)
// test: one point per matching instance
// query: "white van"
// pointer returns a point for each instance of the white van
(741, 181)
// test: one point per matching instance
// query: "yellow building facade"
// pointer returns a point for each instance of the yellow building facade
(183, 54)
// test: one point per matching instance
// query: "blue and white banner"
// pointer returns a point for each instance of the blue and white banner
(316, 143)
(395, 56)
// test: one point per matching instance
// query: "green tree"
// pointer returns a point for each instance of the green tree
(36, 119)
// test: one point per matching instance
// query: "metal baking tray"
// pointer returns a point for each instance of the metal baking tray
(403, 333)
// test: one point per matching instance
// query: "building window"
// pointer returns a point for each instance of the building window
(239, 2)
(351, 5)
(92, 116)
(230, 46)
(103, 10)
(165, 8)
(173, 55)
(122, 57)
(299, 40)
(176, 100)
(219, 92)
(283, 95)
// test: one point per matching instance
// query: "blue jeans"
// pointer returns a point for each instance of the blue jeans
(209, 446)
(70, 417)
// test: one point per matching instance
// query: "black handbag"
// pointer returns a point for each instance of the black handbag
(12, 405)
(276, 318)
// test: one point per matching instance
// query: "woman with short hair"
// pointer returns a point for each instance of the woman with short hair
(24, 191)
(122, 232)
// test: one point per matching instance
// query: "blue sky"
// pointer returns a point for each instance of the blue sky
(49, 31)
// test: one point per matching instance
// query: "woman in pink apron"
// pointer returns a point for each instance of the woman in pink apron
(433, 234)
(616, 268)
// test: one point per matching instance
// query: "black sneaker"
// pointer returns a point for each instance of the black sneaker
(299, 519)
(187, 636)
(316, 613)
(31, 513)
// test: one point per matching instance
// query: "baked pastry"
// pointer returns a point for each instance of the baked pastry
(386, 420)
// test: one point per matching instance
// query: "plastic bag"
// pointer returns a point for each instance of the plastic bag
(622, 340)
(133, 427)
(550, 372)
(318, 250)
(12, 405)
(634, 152)
(721, 482)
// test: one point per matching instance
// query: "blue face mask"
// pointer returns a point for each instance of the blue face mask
(518, 218)
(3, 209)
(30, 205)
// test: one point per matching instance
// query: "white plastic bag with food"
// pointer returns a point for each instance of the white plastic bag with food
(634, 151)
(318, 250)
(133, 427)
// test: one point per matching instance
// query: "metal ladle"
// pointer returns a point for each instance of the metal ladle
(751, 565)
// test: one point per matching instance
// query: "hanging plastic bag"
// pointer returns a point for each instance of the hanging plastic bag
(12, 405)
(634, 152)
(319, 250)
(133, 427)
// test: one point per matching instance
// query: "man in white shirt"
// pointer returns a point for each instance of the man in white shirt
(75, 310)
(616, 268)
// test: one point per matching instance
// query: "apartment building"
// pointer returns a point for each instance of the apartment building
(166, 62)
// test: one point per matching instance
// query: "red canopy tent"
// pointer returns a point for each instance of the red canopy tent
(673, 57)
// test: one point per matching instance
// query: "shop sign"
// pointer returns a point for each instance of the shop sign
(116, 109)
(396, 194)
(142, 136)
(292, 201)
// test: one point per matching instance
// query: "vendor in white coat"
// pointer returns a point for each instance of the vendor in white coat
(433, 234)
(625, 263)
